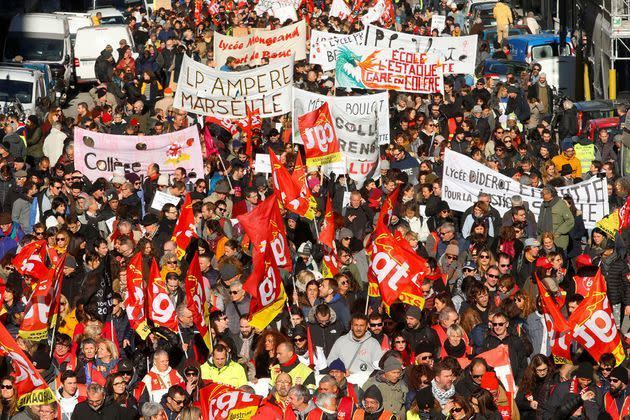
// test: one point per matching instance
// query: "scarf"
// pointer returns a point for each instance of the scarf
(455, 351)
(442, 396)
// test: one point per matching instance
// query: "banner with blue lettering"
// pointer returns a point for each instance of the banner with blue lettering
(101, 155)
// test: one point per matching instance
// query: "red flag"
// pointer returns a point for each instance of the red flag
(30, 387)
(387, 210)
(311, 348)
(264, 226)
(550, 307)
(220, 401)
(624, 215)
(185, 228)
(225, 123)
(211, 147)
(265, 287)
(499, 359)
(161, 308)
(393, 268)
(290, 191)
(318, 135)
(31, 260)
(330, 265)
(135, 304)
(593, 323)
(195, 296)
(327, 233)
(38, 310)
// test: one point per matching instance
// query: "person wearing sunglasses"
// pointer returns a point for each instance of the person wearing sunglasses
(617, 400)
(8, 397)
(116, 388)
(605, 366)
(175, 401)
(499, 334)
(579, 397)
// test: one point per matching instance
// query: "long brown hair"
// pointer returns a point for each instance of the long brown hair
(12, 402)
(260, 344)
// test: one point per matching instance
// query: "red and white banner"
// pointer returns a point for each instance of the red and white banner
(265, 227)
(318, 137)
(558, 328)
(327, 231)
(185, 228)
(100, 155)
(382, 11)
(135, 303)
(30, 387)
(292, 194)
(196, 299)
(499, 359)
(31, 260)
(394, 268)
(222, 402)
(262, 44)
(265, 287)
(161, 308)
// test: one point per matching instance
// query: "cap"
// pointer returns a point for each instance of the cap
(471, 265)
(423, 347)
(5, 219)
(543, 262)
(566, 170)
(414, 312)
(489, 381)
(168, 92)
(392, 363)
(20, 174)
(452, 249)
(532, 242)
(344, 233)
(583, 260)
(337, 364)
(163, 180)
(424, 398)
(149, 219)
(566, 144)
(305, 249)
(132, 177)
(584, 370)
(228, 271)
(124, 365)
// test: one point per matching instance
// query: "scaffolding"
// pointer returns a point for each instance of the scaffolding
(611, 39)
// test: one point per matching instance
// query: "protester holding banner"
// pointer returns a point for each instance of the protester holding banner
(321, 215)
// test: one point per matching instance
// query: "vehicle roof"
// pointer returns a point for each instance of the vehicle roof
(24, 74)
(596, 105)
(102, 28)
(106, 11)
(39, 23)
(504, 61)
(534, 39)
(492, 29)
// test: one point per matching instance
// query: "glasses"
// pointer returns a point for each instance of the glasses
(190, 374)
(498, 324)
(426, 358)
(299, 339)
(221, 209)
(504, 265)
(171, 262)
(60, 239)
(179, 402)
(40, 233)
(614, 380)
(6, 386)
(234, 292)
(606, 369)
(456, 410)
(400, 342)
(376, 324)
(444, 233)
(484, 257)
(492, 276)
(477, 376)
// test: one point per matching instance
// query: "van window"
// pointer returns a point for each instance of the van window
(11, 89)
(549, 50)
(112, 20)
(33, 49)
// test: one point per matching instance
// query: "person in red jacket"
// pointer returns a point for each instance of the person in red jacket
(617, 400)
(276, 405)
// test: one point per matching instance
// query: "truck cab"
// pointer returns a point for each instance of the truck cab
(531, 48)
(23, 91)
(43, 38)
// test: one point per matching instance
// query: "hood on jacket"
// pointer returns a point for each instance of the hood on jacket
(311, 315)
(374, 393)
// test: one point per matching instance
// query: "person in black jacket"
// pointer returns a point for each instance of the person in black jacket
(580, 392)
(500, 334)
(517, 104)
(568, 126)
(104, 66)
(325, 327)
(96, 407)
(615, 270)
(358, 215)
(416, 330)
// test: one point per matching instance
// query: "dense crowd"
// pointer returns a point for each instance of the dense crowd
(415, 362)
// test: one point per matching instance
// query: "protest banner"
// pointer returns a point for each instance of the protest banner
(100, 154)
(281, 9)
(160, 199)
(339, 9)
(262, 163)
(464, 178)
(277, 44)
(324, 47)
(206, 91)
(319, 138)
(222, 402)
(457, 54)
(363, 67)
(354, 106)
(438, 22)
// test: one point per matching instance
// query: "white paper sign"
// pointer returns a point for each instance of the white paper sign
(324, 47)
(262, 163)
(438, 22)
(160, 199)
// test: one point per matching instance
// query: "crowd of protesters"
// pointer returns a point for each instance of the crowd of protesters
(418, 363)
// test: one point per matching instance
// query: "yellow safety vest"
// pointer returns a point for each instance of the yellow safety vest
(585, 154)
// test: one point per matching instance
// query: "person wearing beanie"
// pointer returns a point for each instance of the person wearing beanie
(617, 400)
(568, 157)
(426, 406)
(417, 331)
(373, 406)
(504, 400)
(578, 393)
(388, 381)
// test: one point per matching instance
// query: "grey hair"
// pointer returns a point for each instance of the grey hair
(181, 308)
(167, 256)
(517, 200)
(328, 379)
(159, 353)
(567, 104)
(95, 388)
(448, 226)
(88, 202)
(551, 190)
(446, 312)
(301, 392)
(151, 409)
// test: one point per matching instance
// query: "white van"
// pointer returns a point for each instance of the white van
(89, 44)
(109, 16)
(42, 38)
(20, 86)
(75, 21)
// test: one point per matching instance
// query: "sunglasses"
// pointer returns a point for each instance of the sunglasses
(498, 324)
(426, 358)
(484, 257)
(171, 262)
(234, 292)
(456, 410)
(492, 276)
(504, 265)
(614, 380)
(376, 324)
(221, 209)
(299, 339)
(6, 386)
(477, 376)
(60, 239)
(606, 369)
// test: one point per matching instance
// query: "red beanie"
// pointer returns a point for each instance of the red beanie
(489, 381)
(543, 262)
(583, 260)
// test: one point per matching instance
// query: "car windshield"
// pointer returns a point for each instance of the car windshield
(112, 20)
(33, 49)
(505, 68)
(11, 89)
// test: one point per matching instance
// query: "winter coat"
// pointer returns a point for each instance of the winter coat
(555, 216)
(17, 148)
(362, 222)
(568, 126)
(21, 211)
(325, 337)
(615, 270)
(231, 374)
(502, 14)
(347, 349)
(518, 106)
(53, 145)
(34, 142)
(109, 411)
(104, 67)
(393, 394)
(518, 357)
(562, 402)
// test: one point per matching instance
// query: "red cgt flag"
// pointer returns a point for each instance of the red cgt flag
(161, 308)
(220, 401)
(31, 260)
(387, 210)
(135, 303)
(327, 233)
(31, 388)
(499, 359)
(624, 215)
(185, 228)
(394, 268)
(291, 192)
(265, 287)
(264, 226)
(319, 137)
(557, 326)
(195, 296)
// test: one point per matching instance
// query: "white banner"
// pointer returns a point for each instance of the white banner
(339, 9)
(281, 9)
(324, 47)
(355, 106)
(100, 155)
(457, 54)
(464, 178)
(205, 91)
(262, 44)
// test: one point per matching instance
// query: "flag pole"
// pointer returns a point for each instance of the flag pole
(225, 170)
(367, 299)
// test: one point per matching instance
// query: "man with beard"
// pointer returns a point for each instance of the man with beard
(244, 340)
(277, 403)
(96, 407)
(442, 385)
(375, 323)
(543, 92)
(415, 331)
(617, 400)
(372, 405)
(576, 398)
(392, 389)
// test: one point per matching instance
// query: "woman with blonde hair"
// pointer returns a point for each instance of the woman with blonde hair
(485, 260)
(549, 172)
(525, 303)
(169, 264)
(190, 413)
(106, 356)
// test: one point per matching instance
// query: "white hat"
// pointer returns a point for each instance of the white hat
(163, 180)
(118, 179)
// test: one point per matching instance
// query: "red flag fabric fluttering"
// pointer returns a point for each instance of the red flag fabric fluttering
(135, 303)
(327, 232)
(224, 402)
(290, 189)
(185, 228)
(196, 299)
(161, 309)
(321, 144)
(31, 260)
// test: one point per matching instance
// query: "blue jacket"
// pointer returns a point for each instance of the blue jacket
(9, 243)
